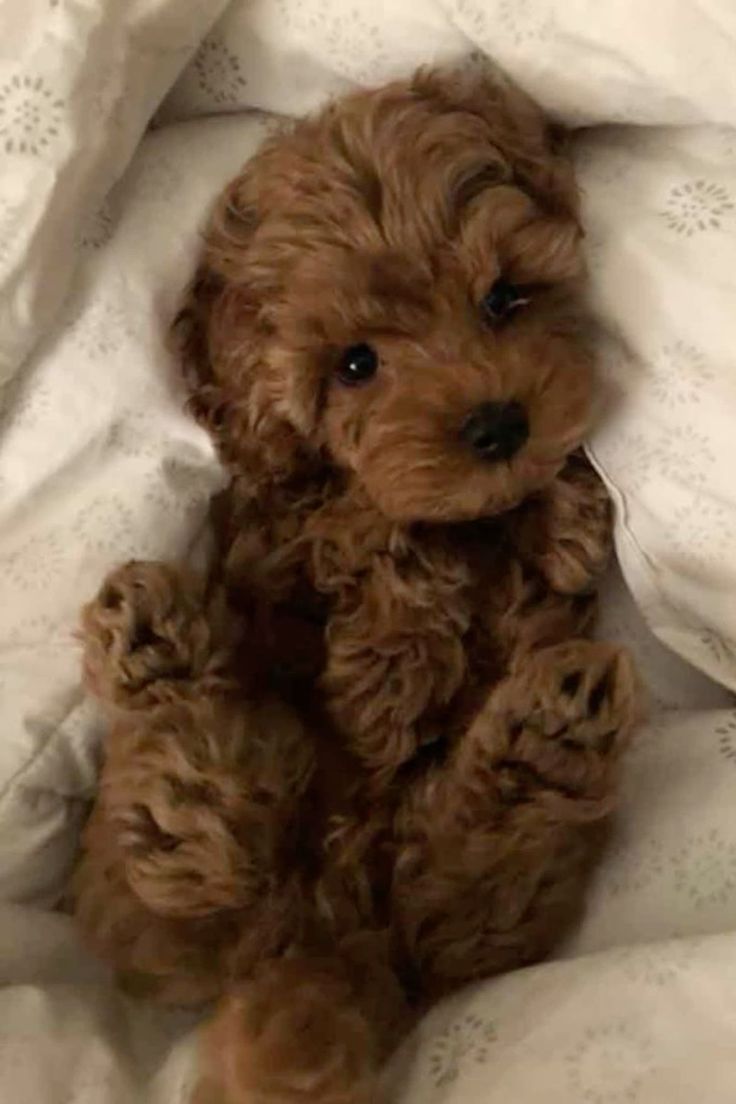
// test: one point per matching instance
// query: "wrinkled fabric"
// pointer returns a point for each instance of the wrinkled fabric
(99, 225)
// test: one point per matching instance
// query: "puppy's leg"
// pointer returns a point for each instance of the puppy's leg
(566, 533)
(199, 792)
(301, 1031)
(395, 658)
(495, 846)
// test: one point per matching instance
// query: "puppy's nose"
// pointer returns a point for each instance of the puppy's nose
(496, 430)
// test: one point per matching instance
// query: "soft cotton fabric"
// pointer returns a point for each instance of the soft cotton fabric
(98, 234)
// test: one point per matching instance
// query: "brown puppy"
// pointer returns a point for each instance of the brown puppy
(369, 758)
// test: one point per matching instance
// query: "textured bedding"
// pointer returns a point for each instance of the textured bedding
(119, 120)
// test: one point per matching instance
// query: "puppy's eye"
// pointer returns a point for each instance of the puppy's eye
(357, 364)
(501, 300)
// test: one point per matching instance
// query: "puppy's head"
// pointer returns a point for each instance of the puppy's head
(392, 286)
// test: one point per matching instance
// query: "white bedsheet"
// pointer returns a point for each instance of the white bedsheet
(98, 463)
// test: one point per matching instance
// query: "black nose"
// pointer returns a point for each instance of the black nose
(496, 430)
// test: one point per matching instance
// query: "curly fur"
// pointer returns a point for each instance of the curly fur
(369, 759)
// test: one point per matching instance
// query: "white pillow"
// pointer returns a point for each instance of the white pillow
(289, 56)
(79, 80)
(660, 210)
(589, 61)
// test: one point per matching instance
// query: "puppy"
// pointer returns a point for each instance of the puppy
(369, 758)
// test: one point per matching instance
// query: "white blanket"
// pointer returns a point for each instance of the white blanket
(97, 463)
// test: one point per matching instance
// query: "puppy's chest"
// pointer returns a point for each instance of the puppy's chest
(429, 587)
(313, 563)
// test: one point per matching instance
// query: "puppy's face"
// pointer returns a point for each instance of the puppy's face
(411, 278)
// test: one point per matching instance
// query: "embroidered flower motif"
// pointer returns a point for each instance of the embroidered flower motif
(705, 869)
(683, 455)
(105, 528)
(679, 373)
(35, 565)
(101, 329)
(726, 733)
(656, 965)
(30, 115)
(703, 533)
(465, 1040)
(696, 206)
(610, 1063)
(99, 227)
(355, 44)
(525, 21)
(218, 72)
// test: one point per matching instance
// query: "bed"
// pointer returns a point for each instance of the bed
(119, 121)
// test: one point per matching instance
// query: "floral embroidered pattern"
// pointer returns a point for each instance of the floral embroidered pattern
(35, 564)
(705, 869)
(353, 42)
(678, 375)
(684, 455)
(704, 531)
(656, 965)
(99, 228)
(30, 115)
(465, 1040)
(218, 72)
(102, 329)
(696, 206)
(525, 21)
(726, 733)
(610, 1063)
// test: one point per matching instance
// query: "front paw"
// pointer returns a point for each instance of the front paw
(568, 533)
(145, 629)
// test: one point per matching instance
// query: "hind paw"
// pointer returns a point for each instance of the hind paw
(569, 712)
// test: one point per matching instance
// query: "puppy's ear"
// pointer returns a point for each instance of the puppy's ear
(534, 148)
(221, 336)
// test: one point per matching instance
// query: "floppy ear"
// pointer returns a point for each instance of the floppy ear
(221, 336)
(535, 149)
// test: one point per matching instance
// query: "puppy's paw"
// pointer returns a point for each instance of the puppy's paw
(146, 629)
(291, 1034)
(569, 712)
(182, 857)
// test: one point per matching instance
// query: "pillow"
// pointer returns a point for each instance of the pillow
(660, 211)
(79, 81)
(288, 57)
(588, 61)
